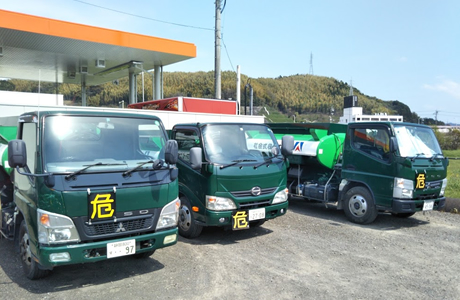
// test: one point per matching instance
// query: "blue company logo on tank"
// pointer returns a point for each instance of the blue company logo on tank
(298, 146)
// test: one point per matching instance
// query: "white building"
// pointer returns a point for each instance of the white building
(353, 113)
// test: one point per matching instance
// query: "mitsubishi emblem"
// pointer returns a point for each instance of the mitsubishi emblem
(120, 228)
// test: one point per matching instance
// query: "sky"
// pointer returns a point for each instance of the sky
(393, 50)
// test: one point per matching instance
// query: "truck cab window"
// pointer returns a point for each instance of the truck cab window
(415, 141)
(372, 141)
(73, 142)
(151, 140)
(29, 135)
(186, 140)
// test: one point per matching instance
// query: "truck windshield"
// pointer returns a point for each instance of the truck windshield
(416, 141)
(237, 143)
(74, 142)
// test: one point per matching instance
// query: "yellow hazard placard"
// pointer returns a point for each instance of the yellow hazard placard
(101, 206)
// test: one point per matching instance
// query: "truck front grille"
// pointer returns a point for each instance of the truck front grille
(127, 226)
(254, 204)
(266, 191)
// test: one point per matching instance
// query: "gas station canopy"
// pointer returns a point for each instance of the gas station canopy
(42, 49)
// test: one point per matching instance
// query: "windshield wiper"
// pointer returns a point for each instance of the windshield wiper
(157, 164)
(234, 162)
(436, 155)
(416, 155)
(70, 176)
(266, 161)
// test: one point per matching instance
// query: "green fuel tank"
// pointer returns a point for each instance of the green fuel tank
(6, 134)
(4, 158)
(329, 149)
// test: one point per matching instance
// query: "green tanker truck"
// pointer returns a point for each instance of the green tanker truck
(231, 175)
(81, 185)
(366, 167)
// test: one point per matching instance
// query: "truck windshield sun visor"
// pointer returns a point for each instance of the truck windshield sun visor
(416, 141)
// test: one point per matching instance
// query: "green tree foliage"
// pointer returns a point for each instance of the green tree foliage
(290, 94)
(449, 140)
(300, 95)
(7, 85)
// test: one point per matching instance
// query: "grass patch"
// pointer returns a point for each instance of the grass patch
(453, 174)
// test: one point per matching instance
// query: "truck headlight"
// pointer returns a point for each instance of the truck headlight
(443, 188)
(403, 188)
(169, 215)
(219, 203)
(55, 228)
(281, 196)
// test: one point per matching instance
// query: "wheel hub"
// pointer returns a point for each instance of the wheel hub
(358, 205)
(26, 255)
(185, 218)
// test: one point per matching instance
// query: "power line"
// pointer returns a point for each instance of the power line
(222, 34)
(440, 111)
(142, 17)
(449, 112)
(228, 56)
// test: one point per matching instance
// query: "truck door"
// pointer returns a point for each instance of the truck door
(367, 159)
(192, 183)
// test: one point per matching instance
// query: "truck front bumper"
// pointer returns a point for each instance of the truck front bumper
(96, 251)
(410, 206)
(224, 218)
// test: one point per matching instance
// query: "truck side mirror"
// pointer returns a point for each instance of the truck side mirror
(171, 152)
(287, 145)
(393, 144)
(17, 155)
(173, 174)
(196, 158)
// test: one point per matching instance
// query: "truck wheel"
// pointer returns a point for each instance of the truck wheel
(30, 266)
(359, 206)
(403, 215)
(187, 226)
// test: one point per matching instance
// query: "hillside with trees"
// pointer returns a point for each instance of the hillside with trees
(306, 98)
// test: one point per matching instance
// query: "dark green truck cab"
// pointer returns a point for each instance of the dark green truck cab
(88, 186)
(230, 175)
(367, 167)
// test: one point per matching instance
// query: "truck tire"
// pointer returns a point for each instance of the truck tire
(29, 265)
(187, 226)
(359, 206)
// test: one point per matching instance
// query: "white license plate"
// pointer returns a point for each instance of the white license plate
(428, 205)
(121, 248)
(256, 214)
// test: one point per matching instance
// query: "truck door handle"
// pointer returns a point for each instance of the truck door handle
(350, 167)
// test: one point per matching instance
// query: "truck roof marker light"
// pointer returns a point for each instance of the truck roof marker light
(195, 208)
(45, 219)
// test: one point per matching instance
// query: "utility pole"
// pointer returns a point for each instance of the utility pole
(248, 85)
(238, 90)
(217, 75)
